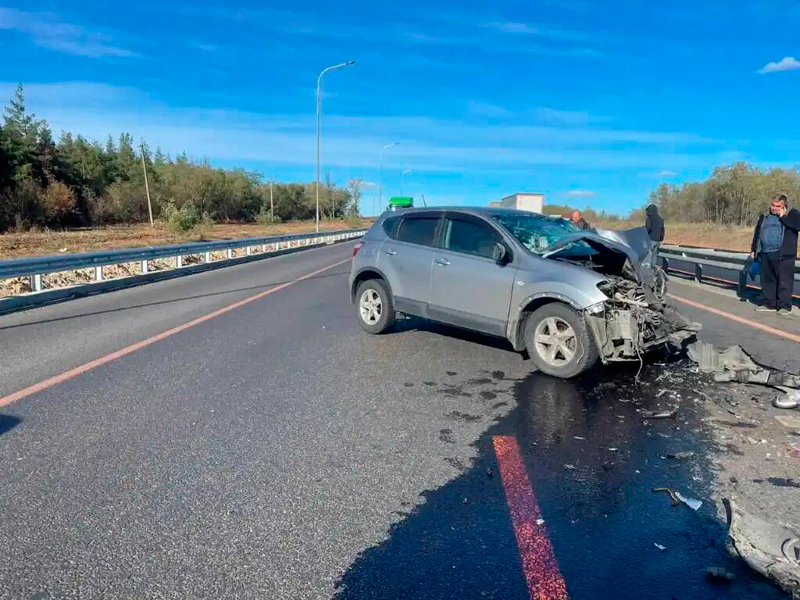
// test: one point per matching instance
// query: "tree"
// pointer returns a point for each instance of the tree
(354, 187)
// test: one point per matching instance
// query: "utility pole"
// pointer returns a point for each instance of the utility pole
(147, 187)
(319, 120)
(271, 203)
(380, 174)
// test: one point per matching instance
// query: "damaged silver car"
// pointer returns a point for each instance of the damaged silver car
(569, 297)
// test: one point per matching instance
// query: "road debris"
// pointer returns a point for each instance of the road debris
(734, 364)
(681, 455)
(540, 521)
(649, 414)
(661, 393)
(569, 467)
(690, 502)
(772, 550)
(678, 498)
(790, 400)
(489, 472)
(719, 573)
(659, 546)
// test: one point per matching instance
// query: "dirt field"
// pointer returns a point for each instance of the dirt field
(704, 235)
(32, 243)
(18, 245)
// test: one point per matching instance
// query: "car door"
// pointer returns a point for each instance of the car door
(470, 287)
(406, 257)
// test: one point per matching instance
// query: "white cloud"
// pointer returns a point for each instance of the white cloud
(488, 110)
(666, 173)
(788, 63)
(581, 194)
(48, 30)
(431, 145)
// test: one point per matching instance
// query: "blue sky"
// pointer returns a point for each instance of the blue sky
(592, 103)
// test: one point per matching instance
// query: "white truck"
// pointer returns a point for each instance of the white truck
(529, 202)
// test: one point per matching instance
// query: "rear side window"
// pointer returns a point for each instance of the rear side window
(390, 226)
(468, 237)
(418, 230)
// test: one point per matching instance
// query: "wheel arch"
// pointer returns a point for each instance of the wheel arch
(366, 274)
(516, 326)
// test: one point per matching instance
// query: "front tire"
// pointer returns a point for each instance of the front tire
(559, 342)
(374, 306)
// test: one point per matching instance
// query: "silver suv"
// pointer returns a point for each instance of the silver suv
(565, 295)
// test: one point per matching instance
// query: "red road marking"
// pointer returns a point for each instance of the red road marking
(722, 313)
(539, 564)
(43, 385)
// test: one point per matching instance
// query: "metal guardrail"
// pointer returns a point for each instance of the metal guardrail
(36, 267)
(718, 266)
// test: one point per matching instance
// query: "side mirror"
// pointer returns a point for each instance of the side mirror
(499, 253)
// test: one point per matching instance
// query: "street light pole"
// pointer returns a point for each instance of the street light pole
(403, 174)
(319, 120)
(380, 173)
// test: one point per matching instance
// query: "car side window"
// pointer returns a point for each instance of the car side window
(390, 226)
(418, 230)
(469, 237)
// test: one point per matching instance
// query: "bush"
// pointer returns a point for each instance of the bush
(58, 201)
(264, 217)
(183, 220)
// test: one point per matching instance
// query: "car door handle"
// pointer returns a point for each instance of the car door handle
(442, 262)
(390, 252)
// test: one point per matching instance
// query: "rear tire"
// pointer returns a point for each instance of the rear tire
(374, 306)
(559, 342)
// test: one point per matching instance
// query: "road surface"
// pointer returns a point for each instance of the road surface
(274, 450)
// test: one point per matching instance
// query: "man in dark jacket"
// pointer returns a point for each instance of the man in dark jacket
(577, 219)
(654, 224)
(775, 242)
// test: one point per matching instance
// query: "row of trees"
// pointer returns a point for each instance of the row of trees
(733, 195)
(78, 182)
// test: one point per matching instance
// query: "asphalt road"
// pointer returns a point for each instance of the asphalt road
(277, 451)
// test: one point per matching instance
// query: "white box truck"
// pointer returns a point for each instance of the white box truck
(530, 202)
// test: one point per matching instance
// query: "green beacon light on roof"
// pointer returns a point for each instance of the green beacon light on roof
(401, 202)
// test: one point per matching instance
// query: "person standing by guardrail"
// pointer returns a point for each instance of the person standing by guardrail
(775, 244)
(655, 227)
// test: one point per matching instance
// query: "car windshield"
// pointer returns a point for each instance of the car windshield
(536, 232)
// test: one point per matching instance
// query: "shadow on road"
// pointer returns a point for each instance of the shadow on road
(255, 288)
(593, 462)
(416, 324)
(7, 423)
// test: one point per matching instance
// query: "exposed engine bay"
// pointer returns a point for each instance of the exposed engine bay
(635, 318)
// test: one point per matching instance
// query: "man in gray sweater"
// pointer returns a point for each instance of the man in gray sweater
(775, 243)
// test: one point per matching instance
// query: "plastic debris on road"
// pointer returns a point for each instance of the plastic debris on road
(771, 549)
(790, 400)
(678, 498)
(692, 503)
(659, 546)
(734, 364)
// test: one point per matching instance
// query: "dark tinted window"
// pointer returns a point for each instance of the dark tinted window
(418, 230)
(390, 226)
(470, 238)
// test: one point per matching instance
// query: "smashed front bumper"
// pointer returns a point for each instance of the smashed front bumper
(627, 326)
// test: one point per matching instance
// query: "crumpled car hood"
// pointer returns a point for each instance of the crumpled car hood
(634, 244)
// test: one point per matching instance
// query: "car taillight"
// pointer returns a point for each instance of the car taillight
(356, 248)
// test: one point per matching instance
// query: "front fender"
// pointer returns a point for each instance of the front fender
(535, 294)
